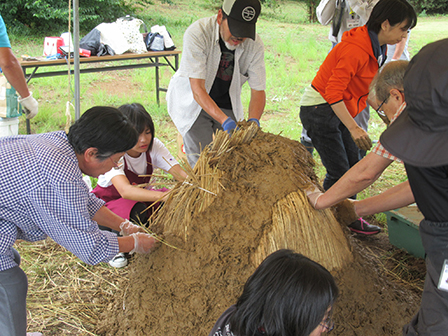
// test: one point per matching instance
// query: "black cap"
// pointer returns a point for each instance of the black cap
(242, 16)
(419, 136)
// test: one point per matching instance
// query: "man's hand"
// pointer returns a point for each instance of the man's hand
(361, 139)
(127, 228)
(143, 243)
(313, 193)
(229, 125)
(29, 105)
(254, 120)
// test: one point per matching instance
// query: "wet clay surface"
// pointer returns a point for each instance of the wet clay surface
(183, 291)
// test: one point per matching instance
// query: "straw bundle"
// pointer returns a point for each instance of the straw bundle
(200, 189)
(294, 223)
(297, 226)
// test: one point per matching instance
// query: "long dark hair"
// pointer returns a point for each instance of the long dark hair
(104, 128)
(395, 11)
(287, 295)
(139, 118)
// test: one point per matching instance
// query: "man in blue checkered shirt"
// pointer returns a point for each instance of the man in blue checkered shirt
(43, 195)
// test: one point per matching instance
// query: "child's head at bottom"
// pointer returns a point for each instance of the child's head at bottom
(287, 295)
(139, 118)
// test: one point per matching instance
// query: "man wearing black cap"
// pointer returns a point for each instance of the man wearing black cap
(220, 54)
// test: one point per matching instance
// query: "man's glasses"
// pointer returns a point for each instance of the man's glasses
(379, 110)
(116, 164)
(327, 324)
(381, 113)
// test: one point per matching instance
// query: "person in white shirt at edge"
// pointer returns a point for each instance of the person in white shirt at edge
(220, 53)
(123, 187)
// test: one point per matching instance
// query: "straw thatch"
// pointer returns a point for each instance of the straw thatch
(295, 224)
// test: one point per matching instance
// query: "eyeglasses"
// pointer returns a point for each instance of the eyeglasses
(327, 324)
(116, 164)
(379, 111)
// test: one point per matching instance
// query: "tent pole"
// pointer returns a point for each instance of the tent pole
(76, 56)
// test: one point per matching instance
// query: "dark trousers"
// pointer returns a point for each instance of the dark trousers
(13, 290)
(200, 135)
(432, 317)
(332, 141)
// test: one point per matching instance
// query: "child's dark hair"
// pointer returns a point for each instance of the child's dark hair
(288, 294)
(395, 11)
(139, 118)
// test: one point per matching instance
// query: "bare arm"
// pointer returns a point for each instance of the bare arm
(399, 48)
(359, 177)
(13, 71)
(107, 218)
(178, 173)
(134, 193)
(205, 101)
(393, 198)
(257, 103)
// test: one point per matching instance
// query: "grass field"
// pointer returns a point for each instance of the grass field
(65, 295)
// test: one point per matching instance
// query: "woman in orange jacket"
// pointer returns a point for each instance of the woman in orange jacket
(341, 87)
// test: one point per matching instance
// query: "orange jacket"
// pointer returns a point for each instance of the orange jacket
(346, 73)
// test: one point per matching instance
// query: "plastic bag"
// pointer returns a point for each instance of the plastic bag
(154, 42)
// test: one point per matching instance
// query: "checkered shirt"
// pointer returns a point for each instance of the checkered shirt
(43, 194)
(379, 149)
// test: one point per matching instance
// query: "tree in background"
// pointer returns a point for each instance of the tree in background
(50, 16)
(430, 6)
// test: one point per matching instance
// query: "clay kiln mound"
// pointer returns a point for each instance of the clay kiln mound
(183, 291)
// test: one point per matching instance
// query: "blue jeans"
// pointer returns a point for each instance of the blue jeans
(332, 141)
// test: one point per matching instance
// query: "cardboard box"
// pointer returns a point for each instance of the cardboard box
(403, 226)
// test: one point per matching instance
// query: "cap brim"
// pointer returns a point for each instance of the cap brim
(404, 139)
(241, 29)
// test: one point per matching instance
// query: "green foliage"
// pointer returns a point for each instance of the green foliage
(32, 16)
(430, 7)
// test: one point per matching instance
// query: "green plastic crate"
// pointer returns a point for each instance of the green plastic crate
(403, 227)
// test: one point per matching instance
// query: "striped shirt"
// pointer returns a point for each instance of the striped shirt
(43, 195)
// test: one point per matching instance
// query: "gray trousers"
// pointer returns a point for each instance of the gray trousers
(201, 134)
(432, 317)
(13, 290)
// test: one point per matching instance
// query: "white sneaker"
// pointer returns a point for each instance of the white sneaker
(119, 261)
(34, 334)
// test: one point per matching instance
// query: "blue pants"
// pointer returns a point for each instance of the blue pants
(13, 290)
(332, 141)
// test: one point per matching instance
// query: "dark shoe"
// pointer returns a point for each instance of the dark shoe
(308, 145)
(362, 227)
